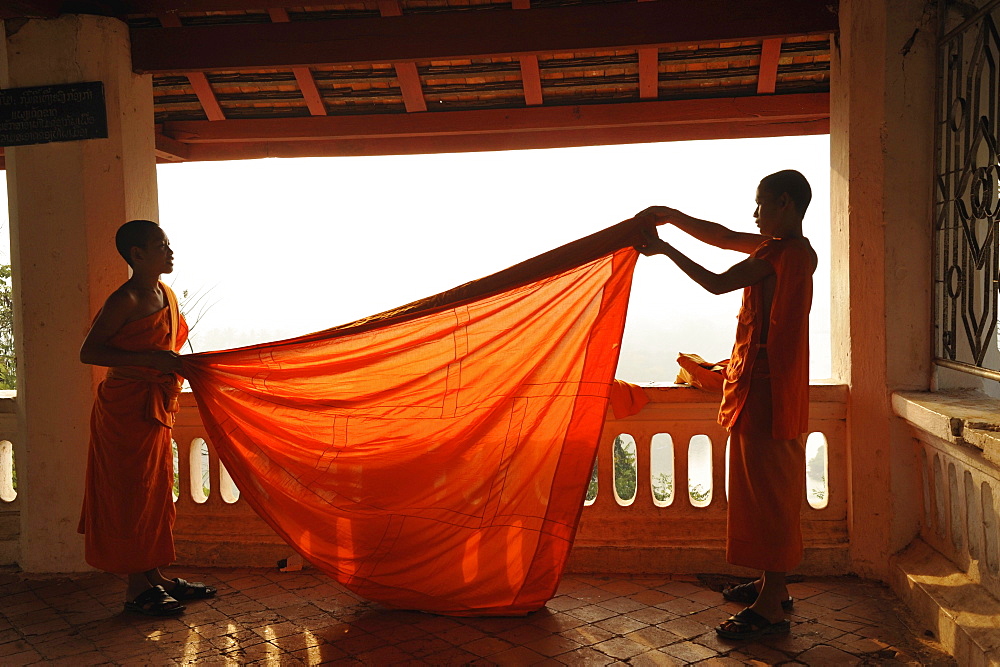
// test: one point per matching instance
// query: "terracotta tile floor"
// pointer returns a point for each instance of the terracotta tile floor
(303, 617)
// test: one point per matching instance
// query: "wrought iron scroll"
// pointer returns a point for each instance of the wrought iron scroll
(967, 202)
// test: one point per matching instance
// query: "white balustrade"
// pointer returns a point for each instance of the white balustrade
(663, 525)
(958, 456)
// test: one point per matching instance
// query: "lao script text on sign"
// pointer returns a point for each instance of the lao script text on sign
(42, 114)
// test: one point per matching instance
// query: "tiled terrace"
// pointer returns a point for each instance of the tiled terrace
(266, 616)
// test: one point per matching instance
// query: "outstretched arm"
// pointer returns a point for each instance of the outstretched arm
(711, 233)
(113, 316)
(747, 272)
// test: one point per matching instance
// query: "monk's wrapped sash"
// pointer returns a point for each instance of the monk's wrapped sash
(164, 391)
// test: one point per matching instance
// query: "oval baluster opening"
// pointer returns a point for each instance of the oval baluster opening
(626, 470)
(200, 482)
(817, 471)
(700, 470)
(228, 490)
(8, 475)
(661, 469)
(591, 496)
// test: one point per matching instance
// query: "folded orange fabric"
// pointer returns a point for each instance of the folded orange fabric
(627, 399)
(435, 456)
(697, 372)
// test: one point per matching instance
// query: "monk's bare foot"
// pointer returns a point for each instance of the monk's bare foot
(769, 609)
(137, 585)
(771, 597)
(156, 578)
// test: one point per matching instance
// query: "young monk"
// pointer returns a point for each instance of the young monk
(765, 402)
(128, 510)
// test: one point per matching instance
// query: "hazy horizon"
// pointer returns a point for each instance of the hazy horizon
(285, 247)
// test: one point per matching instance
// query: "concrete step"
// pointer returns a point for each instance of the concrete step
(948, 606)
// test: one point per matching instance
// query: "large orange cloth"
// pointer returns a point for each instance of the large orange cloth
(128, 507)
(766, 407)
(436, 456)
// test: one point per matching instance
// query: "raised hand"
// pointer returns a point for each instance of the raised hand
(660, 215)
(651, 244)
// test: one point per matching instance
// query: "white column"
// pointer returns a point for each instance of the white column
(66, 201)
(882, 130)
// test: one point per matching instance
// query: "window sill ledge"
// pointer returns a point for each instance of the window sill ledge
(962, 417)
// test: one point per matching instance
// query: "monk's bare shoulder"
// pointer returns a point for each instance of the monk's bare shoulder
(123, 305)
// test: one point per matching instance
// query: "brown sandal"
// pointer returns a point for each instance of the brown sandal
(155, 601)
(186, 590)
(747, 594)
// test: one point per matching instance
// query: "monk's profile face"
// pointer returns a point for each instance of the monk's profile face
(156, 255)
(768, 212)
(772, 212)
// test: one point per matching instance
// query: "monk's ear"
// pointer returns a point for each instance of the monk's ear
(136, 253)
(785, 201)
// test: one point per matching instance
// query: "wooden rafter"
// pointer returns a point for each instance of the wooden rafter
(303, 75)
(203, 89)
(649, 73)
(410, 87)
(456, 35)
(531, 80)
(199, 82)
(531, 75)
(770, 53)
(407, 75)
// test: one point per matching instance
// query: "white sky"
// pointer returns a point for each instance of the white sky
(289, 246)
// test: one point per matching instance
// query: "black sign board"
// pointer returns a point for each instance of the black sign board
(41, 114)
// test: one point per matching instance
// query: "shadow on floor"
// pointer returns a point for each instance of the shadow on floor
(304, 617)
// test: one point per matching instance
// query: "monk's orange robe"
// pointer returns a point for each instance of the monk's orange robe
(128, 508)
(765, 406)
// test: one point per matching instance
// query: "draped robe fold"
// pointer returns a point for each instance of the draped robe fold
(435, 456)
(128, 509)
(766, 407)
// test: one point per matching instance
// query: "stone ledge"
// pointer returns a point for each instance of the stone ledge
(961, 614)
(965, 418)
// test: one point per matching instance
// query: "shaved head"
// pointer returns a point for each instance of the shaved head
(792, 183)
(134, 234)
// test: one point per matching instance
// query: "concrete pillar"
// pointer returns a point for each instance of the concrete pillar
(66, 201)
(882, 131)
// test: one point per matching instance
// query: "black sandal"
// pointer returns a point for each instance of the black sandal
(748, 624)
(155, 601)
(747, 594)
(186, 590)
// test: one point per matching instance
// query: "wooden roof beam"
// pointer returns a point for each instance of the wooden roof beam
(47, 9)
(171, 150)
(472, 34)
(303, 75)
(707, 113)
(770, 54)
(506, 140)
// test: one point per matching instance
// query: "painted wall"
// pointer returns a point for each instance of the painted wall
(882, 103)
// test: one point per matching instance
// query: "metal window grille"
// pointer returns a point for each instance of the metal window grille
(967, 197)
